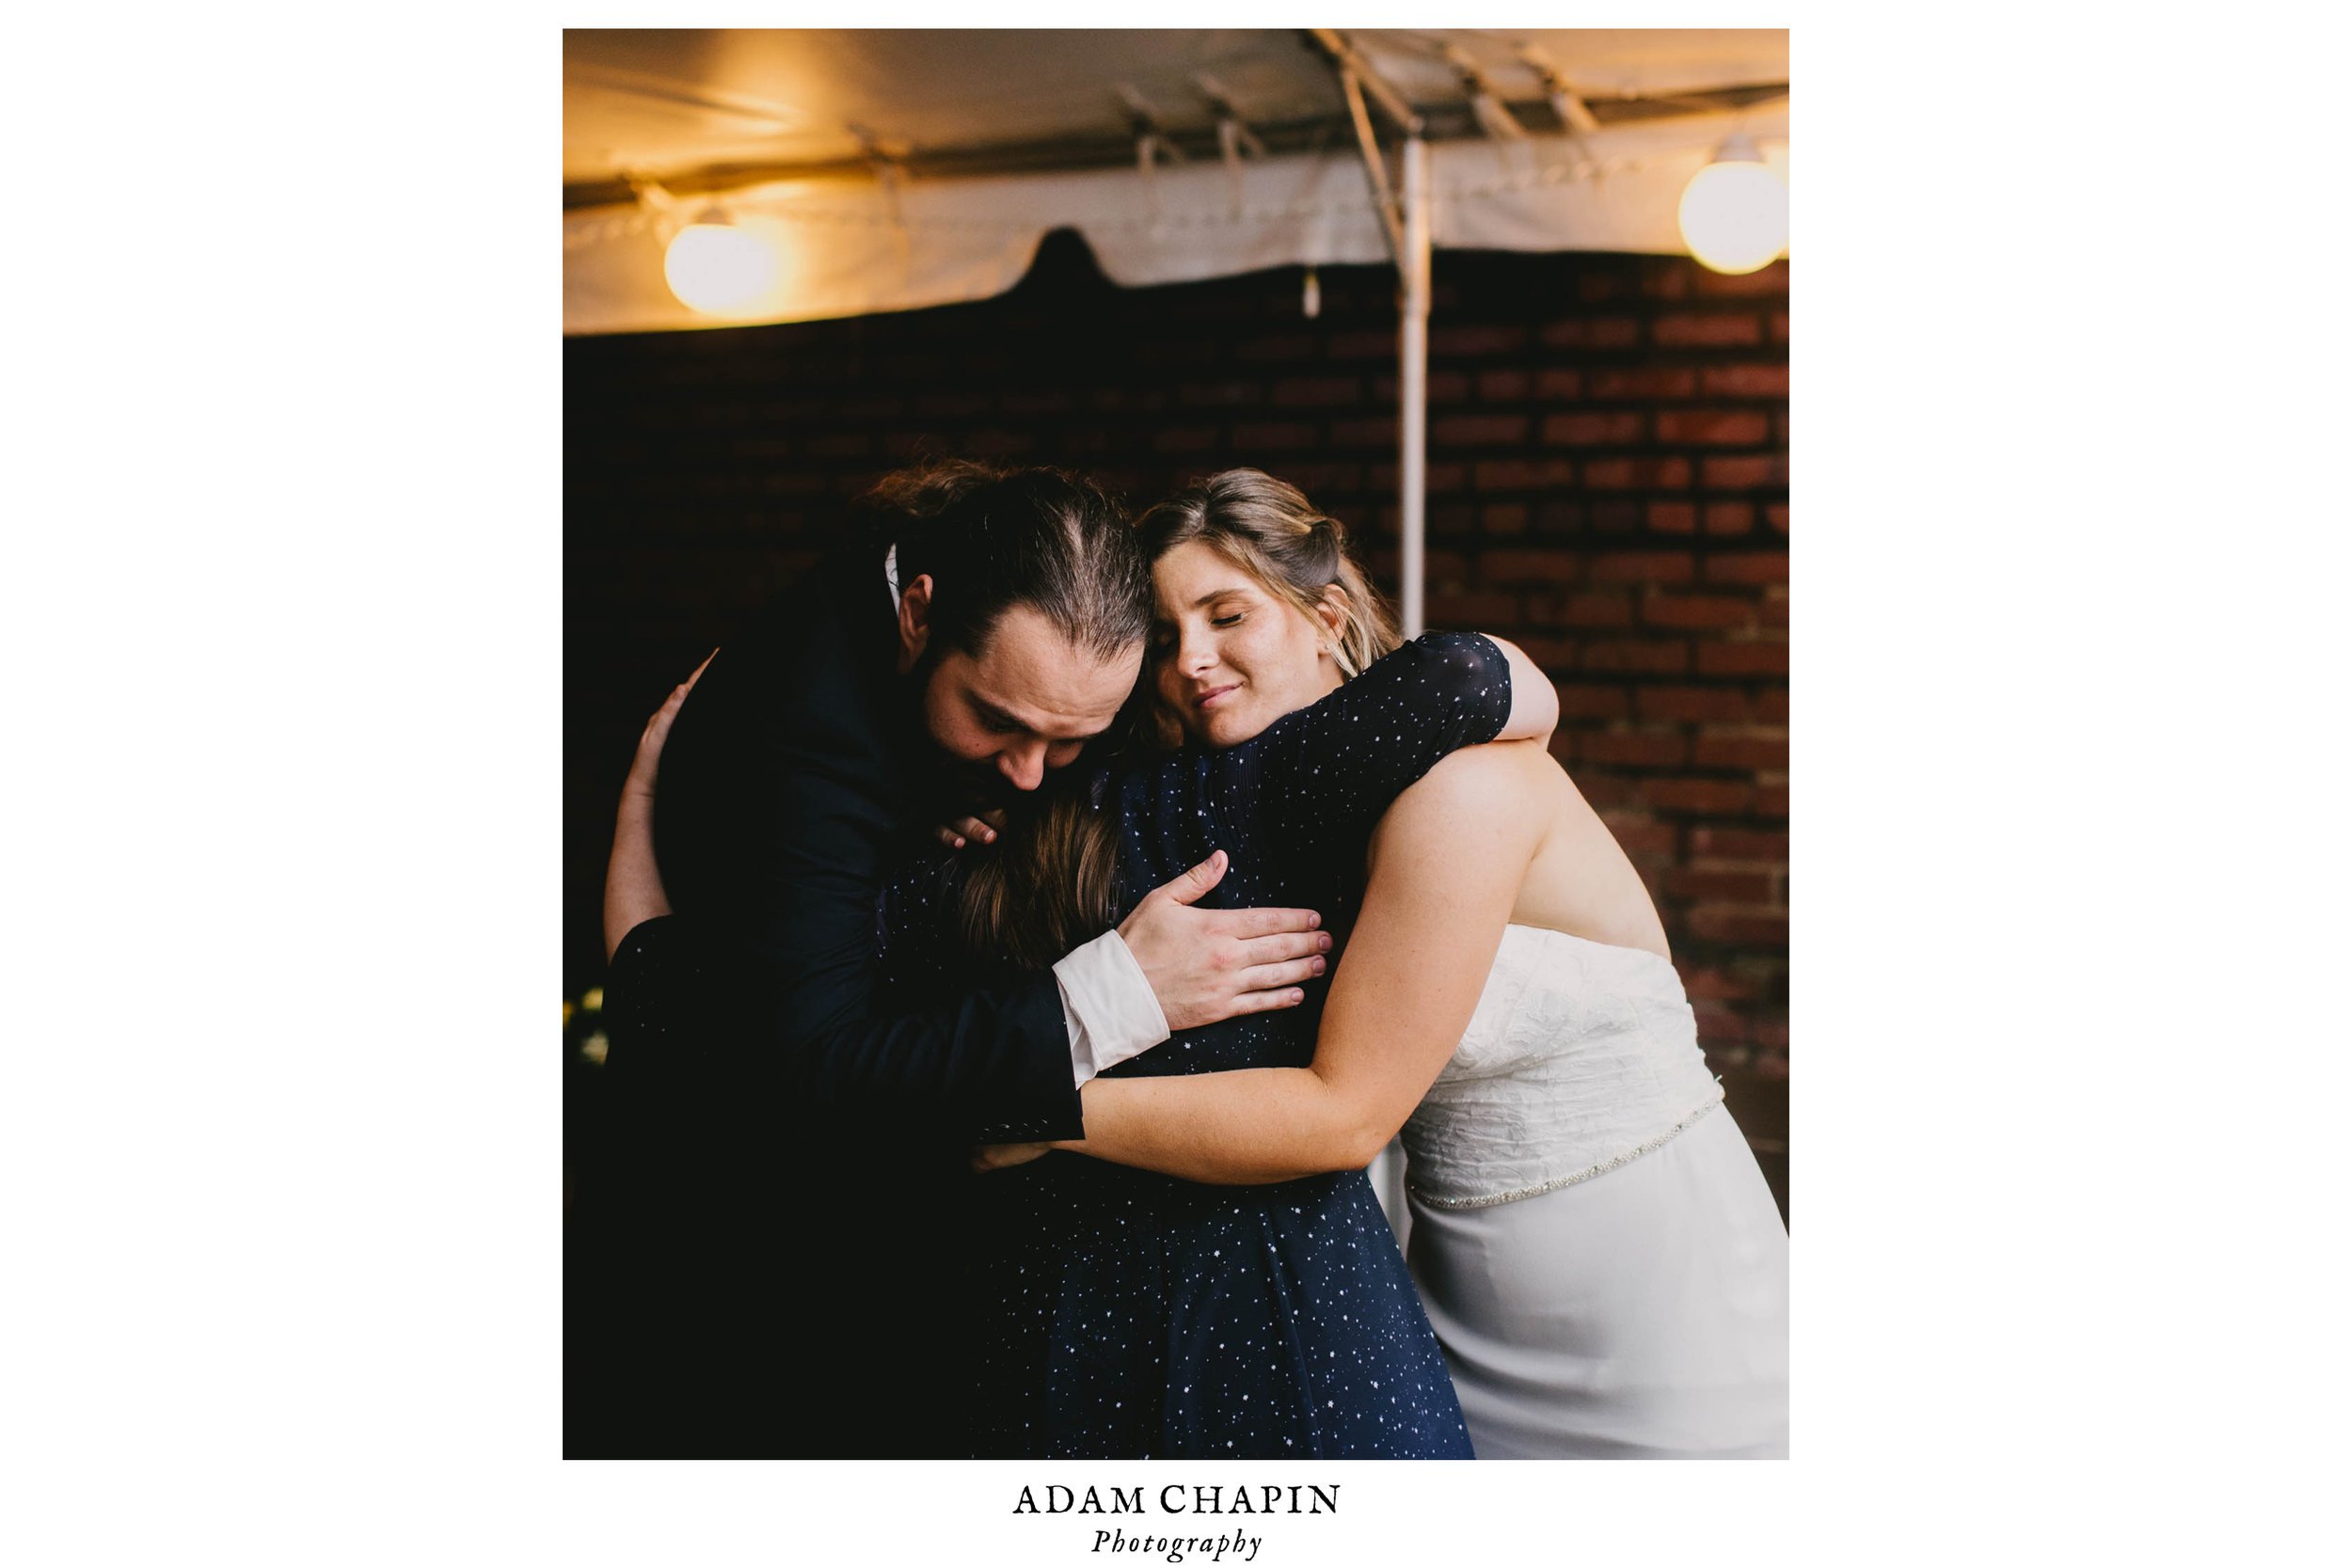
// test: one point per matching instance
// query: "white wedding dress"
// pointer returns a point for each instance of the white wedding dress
(1604, 1265)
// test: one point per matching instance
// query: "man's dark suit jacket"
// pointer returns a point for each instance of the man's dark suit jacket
(770, 1268)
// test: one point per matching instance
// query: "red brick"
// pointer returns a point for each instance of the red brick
(1273, 350)
(1596, 428)
(1745, 381)
(1772, 799)
(1606, 791)
(997, 443)
(1527, 565)
(1707, 796)
(1709, 331)
(1218, 394)
(1593, 332)
(1707, 984)
(1743, 473)
(1316, 391)
(1739, 844)
(1504, 518)
(1637, 473)
(1743, 658)
(1559, 384)
(1554, 515)
(1603, 611)
(1520, 473)
(1777, 515)
(1593, 287)
(1323, 480)
(1268, 435)
(847, 445)
(1780, 327)
(1183, 438)
(1640, 834)
(1672, 567)
(1643, 657)
(1632, 749)
(1762, 566)
(1549, 650)
(1361, 346)
(1442, 568)
(1762, 752)
(1585, 701)
(1771, 706)
(1643, 381)
(1670, 282)
(1699, 704)
(1472, 611)
(1769, 280)
(1502, 386)
(1673, 518)
(1364, 433)
(1479, 429)
(1473, 340)
(1726, 519)
(1698, 609)
(1720, 887)
(1775, 610)
(1738, 926)
(1718, 1025)
(1714, 427)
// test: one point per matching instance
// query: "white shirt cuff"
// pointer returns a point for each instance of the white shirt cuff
(1109, 1007)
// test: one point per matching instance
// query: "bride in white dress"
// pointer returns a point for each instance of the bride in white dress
(1599, 1254)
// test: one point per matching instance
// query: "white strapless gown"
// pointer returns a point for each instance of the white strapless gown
(1600, 1257)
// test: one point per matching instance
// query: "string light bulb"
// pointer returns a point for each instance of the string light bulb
(1735, 211)
(722, 267)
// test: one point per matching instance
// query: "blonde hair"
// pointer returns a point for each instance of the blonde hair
(1296, 552)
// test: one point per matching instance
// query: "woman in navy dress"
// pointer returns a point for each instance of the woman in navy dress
(1118, 1312)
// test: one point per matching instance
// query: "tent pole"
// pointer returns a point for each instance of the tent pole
(1413, 378)
(1412, 401)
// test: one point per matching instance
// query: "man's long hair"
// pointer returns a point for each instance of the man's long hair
(991, 538)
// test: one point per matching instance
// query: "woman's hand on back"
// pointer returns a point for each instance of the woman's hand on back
(633, 892)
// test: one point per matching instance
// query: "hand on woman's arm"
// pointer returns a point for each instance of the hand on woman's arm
(1446, 865)
(633, 892)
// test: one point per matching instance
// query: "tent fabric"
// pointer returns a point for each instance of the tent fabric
(656, 101)
(855, 246)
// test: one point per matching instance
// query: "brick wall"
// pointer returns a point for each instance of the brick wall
(1608, 485)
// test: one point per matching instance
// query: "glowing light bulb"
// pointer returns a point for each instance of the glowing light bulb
(1735, 211)
(722, 267)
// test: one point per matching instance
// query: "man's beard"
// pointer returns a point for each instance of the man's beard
(954, 786)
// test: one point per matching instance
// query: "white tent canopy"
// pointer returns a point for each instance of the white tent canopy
(909, 169)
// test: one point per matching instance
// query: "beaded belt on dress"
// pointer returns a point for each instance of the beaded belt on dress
(1489, 1200)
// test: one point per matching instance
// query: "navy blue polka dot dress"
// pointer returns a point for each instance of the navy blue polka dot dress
(1122, 1313)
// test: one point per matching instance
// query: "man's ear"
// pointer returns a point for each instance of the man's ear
(915, 621)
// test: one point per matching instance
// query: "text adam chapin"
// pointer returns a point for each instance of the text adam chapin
(1177, 1497)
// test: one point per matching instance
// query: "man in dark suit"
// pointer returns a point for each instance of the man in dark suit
(768, 1269)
